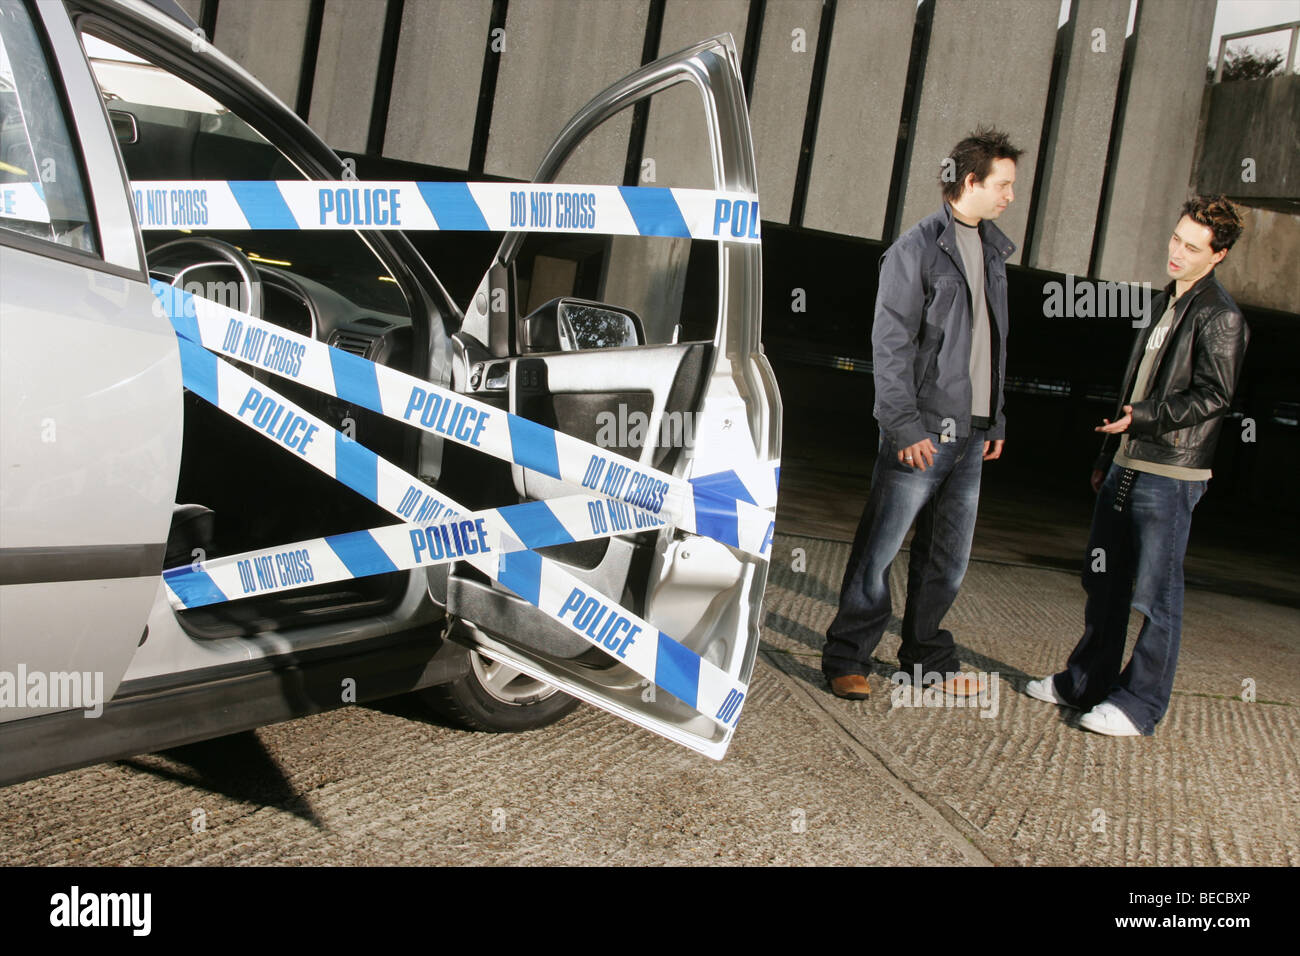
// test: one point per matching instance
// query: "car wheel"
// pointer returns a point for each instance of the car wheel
(497, 698)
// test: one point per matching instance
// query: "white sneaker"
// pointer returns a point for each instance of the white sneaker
(1045, 690)
(1108, 719)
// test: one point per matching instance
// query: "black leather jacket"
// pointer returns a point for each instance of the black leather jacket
(1190, 390)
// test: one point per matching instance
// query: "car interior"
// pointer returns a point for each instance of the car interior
(238, 492)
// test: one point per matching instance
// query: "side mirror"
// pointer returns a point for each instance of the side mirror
(572, 325)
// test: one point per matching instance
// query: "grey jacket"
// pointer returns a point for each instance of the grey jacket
(921, 337)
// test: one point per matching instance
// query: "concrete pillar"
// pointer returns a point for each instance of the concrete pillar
(436, 82)
(266, 39)
(785, 66)
(853, 158)
(989, 62)
(676, 135)
(347, 60)
(1158, 140)
(1070, 194)
(556, 57)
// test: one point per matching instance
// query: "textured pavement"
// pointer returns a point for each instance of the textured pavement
(1218, 784)
(809, 779)
(376, 787)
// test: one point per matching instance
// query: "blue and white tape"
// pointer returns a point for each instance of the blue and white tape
(474, 207)
(734, 506)
(401, 547)
(635, 642)
(623, 635)
(25, 201)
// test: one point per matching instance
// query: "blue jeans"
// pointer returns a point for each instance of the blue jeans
(1146, 541)
(943, 501)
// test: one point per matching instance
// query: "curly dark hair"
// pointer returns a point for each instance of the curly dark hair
(1218, 215)
(975, 154)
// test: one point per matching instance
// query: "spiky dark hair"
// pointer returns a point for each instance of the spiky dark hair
(975, 154)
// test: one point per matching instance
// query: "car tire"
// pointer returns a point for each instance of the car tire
(495, 698)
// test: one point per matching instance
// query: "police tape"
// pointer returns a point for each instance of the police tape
(475, 207)
(25, 201)
(401, 547)
(623, 635)
(734, 506)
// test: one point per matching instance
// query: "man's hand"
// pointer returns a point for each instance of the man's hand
(997, 449)
(1119, 424)
(920, 455)
(1098, 476)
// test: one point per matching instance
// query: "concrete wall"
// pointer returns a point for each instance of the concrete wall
(1260, 269)
(1070, 193)
(1248, 120)
(857, 130)
(989, 62)
(780, 99)
(347, 59)
(557, 56)
(436, 79)
(1157, 142)
(266, 39)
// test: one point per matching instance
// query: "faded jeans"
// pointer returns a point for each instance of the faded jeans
(943, 501)
(1145, 542)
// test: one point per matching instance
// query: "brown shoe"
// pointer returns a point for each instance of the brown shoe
(851, 687)
(963, 685)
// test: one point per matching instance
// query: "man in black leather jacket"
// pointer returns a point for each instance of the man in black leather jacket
(1177, 389)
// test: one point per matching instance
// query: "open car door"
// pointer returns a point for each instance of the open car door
(90, 435)
(648, 347)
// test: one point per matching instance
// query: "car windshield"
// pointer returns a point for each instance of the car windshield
(170, 130)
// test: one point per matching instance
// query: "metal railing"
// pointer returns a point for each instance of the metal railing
(1293, 27)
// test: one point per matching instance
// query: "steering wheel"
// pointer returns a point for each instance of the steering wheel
(223, 250)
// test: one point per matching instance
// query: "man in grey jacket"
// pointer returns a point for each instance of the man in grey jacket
(939, 353)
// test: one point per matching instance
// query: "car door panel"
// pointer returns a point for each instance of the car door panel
(90, 435)
(90, 458)
(699, 591)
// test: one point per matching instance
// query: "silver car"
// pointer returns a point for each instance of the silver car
(111, 472)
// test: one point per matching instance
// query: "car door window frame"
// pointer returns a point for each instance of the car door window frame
(503, 334)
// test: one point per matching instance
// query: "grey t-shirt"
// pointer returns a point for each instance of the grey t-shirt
(1141, 382)
(981, 341)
